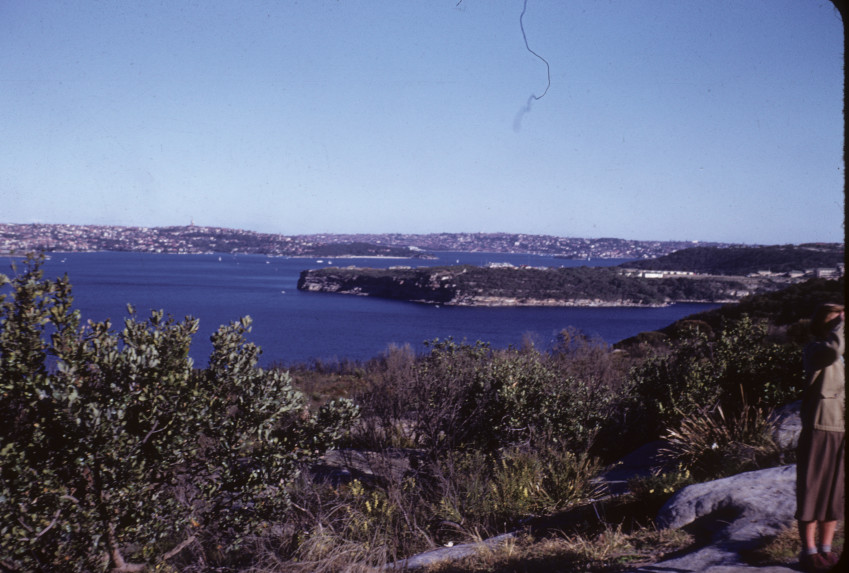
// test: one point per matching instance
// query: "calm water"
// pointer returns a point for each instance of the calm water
(293, 326)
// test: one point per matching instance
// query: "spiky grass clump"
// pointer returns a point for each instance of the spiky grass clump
(495, 494)
(713, 444)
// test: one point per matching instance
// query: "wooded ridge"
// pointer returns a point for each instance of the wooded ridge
(467, 285)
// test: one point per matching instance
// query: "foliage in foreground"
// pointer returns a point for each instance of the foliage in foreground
(115, 450)
(738, 366)
(116, 454)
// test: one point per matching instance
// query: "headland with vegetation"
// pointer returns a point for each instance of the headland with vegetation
(700, 274)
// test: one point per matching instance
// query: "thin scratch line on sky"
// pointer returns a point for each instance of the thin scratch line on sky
(517, 123)
(525, 37)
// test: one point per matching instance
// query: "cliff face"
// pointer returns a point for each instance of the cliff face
(418, 286)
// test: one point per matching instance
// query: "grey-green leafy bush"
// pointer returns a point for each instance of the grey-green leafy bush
(116, 454)
(462, 396)
(702, 372)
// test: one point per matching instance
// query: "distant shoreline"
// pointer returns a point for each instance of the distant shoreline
(211, 253)
(193, 239)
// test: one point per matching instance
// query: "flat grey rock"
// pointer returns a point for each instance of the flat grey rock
(753, 503)
(734, 514)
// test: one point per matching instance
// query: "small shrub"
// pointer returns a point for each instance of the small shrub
(700, 371)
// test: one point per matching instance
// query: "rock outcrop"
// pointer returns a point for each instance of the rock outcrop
(731, 515)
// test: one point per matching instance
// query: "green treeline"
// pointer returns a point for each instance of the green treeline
(118, 453)
(593, 283)
(358, 249)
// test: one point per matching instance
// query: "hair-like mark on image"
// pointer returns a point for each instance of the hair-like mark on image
(517, 123)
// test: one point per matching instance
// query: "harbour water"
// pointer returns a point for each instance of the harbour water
(297, 327)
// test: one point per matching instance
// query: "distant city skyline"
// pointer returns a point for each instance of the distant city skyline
(702, 120)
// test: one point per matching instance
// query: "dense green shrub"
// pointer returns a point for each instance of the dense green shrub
(700, 373)
(115, 453)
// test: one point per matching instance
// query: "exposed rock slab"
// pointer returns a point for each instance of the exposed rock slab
(753, 503)
(732, 515)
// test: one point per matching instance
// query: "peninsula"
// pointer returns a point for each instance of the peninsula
(466, 285)
(700, 274)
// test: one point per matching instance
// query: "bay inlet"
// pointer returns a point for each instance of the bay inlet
(299, 327)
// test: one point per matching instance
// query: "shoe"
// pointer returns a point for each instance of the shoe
(829, 559)
(815, 563)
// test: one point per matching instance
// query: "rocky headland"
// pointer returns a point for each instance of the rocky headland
(466, 285)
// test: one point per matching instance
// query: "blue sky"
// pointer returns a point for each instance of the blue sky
(701, 120)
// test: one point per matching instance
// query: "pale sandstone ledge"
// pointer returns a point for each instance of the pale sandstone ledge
(495, 301)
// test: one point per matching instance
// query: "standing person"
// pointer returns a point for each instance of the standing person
(822, 443)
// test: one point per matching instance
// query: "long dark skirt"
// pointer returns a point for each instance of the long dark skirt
(819, 475)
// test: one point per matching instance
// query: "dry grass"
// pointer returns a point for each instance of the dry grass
(784, 548)
(612, 551)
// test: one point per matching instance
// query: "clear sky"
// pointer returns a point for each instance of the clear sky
(711, 120)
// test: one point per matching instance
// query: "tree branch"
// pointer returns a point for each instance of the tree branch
(180, 547)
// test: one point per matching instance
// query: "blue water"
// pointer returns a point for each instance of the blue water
(292, 326)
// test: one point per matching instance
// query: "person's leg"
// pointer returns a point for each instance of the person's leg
(808, 536)
(827, 529)
(829, 557)
(809, 558)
